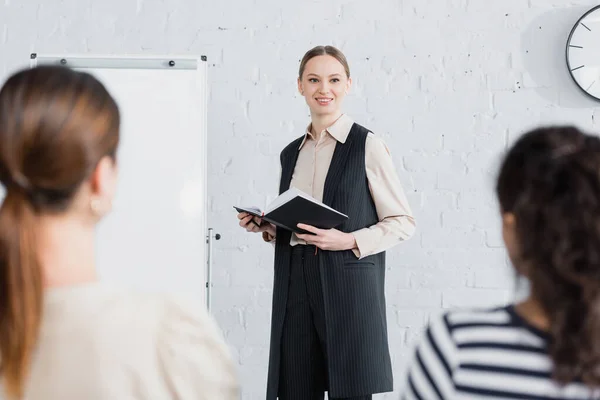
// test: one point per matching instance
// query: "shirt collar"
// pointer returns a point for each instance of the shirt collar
(339, 130)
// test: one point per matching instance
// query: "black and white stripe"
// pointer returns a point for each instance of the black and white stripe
(485, 354)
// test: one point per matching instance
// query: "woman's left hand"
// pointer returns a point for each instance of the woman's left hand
(327, 239)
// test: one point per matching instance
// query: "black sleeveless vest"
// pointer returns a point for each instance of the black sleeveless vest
(353, 290)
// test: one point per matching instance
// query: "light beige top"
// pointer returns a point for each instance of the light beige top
(101, 343)
(396, 221)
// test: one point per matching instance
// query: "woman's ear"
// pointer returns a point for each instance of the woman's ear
(102, 184)
(508, 220)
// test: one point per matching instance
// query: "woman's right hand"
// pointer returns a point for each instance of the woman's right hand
(257, 226)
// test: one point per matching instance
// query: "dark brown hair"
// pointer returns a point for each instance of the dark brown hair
(550, 181)
(324, 51)
(55, 126)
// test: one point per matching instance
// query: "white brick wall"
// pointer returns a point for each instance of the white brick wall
(447, 83)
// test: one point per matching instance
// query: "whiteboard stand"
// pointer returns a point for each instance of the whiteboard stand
(156, 236)
(209, 239)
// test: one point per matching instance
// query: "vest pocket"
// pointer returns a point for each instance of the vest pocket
(359, 264)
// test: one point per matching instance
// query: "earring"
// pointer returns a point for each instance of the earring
(96, 206)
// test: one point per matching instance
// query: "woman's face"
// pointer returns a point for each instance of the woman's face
(324, 85)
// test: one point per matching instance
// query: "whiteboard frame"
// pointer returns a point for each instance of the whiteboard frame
(120, 61)
(154, 62)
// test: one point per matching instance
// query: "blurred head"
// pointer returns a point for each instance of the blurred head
(324, 80)
(549, 193)
(59, 132)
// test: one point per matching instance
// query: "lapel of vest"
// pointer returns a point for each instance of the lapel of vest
(288, 164)
(336, 168)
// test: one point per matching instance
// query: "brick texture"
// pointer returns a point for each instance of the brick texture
(447, 83)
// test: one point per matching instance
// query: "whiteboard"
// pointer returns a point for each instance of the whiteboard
(155, 237)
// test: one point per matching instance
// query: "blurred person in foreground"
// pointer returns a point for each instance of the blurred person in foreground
(547, 346)
(64, 335)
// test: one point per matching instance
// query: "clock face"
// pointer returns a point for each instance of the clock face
(583, 53)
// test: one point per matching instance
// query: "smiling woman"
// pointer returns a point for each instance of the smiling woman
(324, 68)
(329, 328)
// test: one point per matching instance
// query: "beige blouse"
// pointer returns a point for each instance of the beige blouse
(101, 343)
(396, 220)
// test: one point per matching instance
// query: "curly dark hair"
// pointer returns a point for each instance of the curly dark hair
(550, 181)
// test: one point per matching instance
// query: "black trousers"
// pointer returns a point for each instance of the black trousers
(303, 373)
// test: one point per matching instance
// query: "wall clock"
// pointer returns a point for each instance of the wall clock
(583, 53)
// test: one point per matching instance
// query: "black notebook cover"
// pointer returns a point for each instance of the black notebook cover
(302, 211)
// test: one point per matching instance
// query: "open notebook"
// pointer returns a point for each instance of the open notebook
(295, 207)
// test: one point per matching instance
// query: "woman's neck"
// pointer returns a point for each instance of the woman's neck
(532, 311)
(321, 122)
(66, 251)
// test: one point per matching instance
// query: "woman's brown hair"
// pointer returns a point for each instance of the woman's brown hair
(324, 51)
(56, 124)
(550, 182)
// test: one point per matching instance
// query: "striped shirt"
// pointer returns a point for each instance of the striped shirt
(485, 354)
